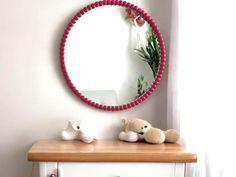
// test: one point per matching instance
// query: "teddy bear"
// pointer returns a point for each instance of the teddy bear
(138, 129)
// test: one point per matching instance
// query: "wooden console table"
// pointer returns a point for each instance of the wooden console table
(109, 159)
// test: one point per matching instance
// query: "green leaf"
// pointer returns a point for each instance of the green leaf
(150, 53)
(142, 78)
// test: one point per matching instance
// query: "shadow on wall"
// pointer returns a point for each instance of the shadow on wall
(15, 161)
(161, 12)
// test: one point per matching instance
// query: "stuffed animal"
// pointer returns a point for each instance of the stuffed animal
(138, 129)
(76, 132)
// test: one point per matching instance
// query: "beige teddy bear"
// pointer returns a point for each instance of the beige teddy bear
(138, 129)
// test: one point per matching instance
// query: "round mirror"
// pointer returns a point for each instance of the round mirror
(112, 55)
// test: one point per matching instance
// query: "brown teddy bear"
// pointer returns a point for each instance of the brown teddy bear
(138, 129)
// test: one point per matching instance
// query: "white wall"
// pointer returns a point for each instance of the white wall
(35, 102)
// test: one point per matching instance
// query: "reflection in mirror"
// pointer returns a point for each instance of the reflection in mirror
(112, 55)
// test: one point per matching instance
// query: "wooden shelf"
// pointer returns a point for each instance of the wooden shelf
(107, 151)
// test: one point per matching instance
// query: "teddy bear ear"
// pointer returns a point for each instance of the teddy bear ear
(125, 120)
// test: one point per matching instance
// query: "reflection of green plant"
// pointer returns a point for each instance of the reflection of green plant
(142, 86)
(151, 53)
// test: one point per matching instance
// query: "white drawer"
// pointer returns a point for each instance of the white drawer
(114, 169)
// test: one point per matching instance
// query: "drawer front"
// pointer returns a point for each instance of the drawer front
(114, 169)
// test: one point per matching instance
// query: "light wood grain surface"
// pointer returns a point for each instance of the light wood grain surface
(107, 151)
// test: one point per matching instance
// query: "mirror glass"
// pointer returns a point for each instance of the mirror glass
(111, 55)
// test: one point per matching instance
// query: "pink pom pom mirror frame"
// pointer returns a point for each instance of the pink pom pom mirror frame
(157, 32)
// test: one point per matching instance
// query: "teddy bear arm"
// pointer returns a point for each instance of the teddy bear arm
(154, 136)
(172, 136)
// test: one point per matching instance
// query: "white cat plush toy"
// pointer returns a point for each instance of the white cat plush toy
(75, 132)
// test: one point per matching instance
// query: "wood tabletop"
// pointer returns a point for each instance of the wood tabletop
(107, 151)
